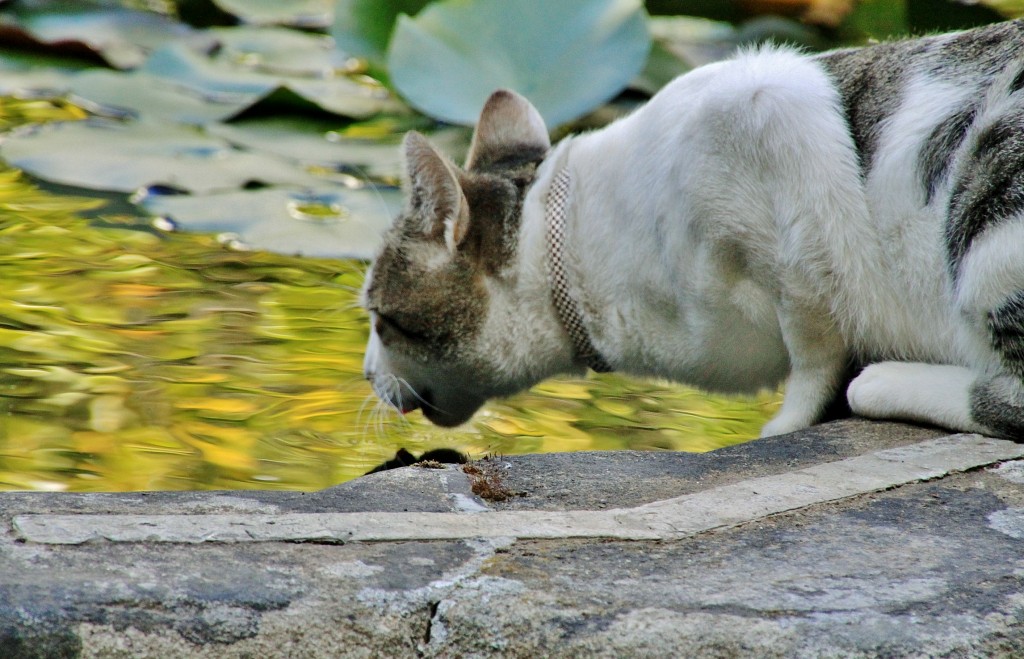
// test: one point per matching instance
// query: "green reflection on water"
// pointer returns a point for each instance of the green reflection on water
(134, 360)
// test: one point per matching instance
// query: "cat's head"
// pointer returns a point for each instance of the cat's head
(430, 289)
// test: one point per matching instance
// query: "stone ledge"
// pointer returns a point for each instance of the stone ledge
(870, 559)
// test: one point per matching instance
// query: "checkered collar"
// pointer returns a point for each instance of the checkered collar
(568, 309)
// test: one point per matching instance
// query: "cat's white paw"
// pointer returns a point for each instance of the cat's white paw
(931, 393)
(876, 391)
(783, 424)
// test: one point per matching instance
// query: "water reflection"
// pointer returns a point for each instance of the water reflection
(132, 359)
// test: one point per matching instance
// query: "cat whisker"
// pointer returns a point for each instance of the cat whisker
(389, 403)
(380, 412)
(383, 416)
(371, 397)
(423, 402)
(354, 304)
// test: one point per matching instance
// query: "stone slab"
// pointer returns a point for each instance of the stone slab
(929, 568)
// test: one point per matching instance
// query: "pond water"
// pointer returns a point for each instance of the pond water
(134, 359)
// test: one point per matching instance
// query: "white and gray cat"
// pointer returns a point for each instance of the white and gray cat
(777, 216)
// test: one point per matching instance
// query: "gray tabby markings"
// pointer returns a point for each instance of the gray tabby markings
(997, 403)
(990, 188)
(937, 151)
(1006, 327)
(865, 79)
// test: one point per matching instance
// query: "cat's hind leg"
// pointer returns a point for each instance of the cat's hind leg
(998, 402)
(988, 276)
(985, 249)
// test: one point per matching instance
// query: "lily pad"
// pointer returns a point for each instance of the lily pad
(308, 14)
(124, 156)
(318, 143)
(318, 222)
(38, 83)
(309, 141)
(363, 28)
(121, 37)
(136, 94)
(37, 75)
(566, 57)
(279, 51)
(246, 77)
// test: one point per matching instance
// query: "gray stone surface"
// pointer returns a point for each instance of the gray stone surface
(567, 481)
(932, 568)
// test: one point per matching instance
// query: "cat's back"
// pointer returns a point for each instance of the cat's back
(876, 82)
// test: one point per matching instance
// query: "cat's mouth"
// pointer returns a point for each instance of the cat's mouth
(446, 408)
(447, 415)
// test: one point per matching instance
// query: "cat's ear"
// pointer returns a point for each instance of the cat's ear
(509, 125)
(435, 196)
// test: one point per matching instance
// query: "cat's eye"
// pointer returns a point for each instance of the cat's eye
(386, 323)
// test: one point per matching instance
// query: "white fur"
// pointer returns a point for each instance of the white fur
(729, 242)
(760, 209)
(904, 311)
(993, 269)
(931, 393)
(723, 236)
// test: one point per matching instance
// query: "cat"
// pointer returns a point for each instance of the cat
(775, 217)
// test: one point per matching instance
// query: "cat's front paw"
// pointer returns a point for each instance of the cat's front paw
(875, 391)
(784, 424)
(930, 393)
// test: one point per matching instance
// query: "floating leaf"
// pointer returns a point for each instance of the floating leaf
(122, 37)
(113, 93)
(233, 76)
(313, 142)
(323, 222)
(296, 13)
(316, 142)
(106, 155)
(277, 51)
(31, 74)
(363, 27)
(566, 57)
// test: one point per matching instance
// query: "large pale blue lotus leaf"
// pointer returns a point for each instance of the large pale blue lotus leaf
(330, 222)
(198, 71)
(125, 156)
(363, 28)
(567, 57)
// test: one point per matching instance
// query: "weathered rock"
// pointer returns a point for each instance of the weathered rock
(930, 568)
